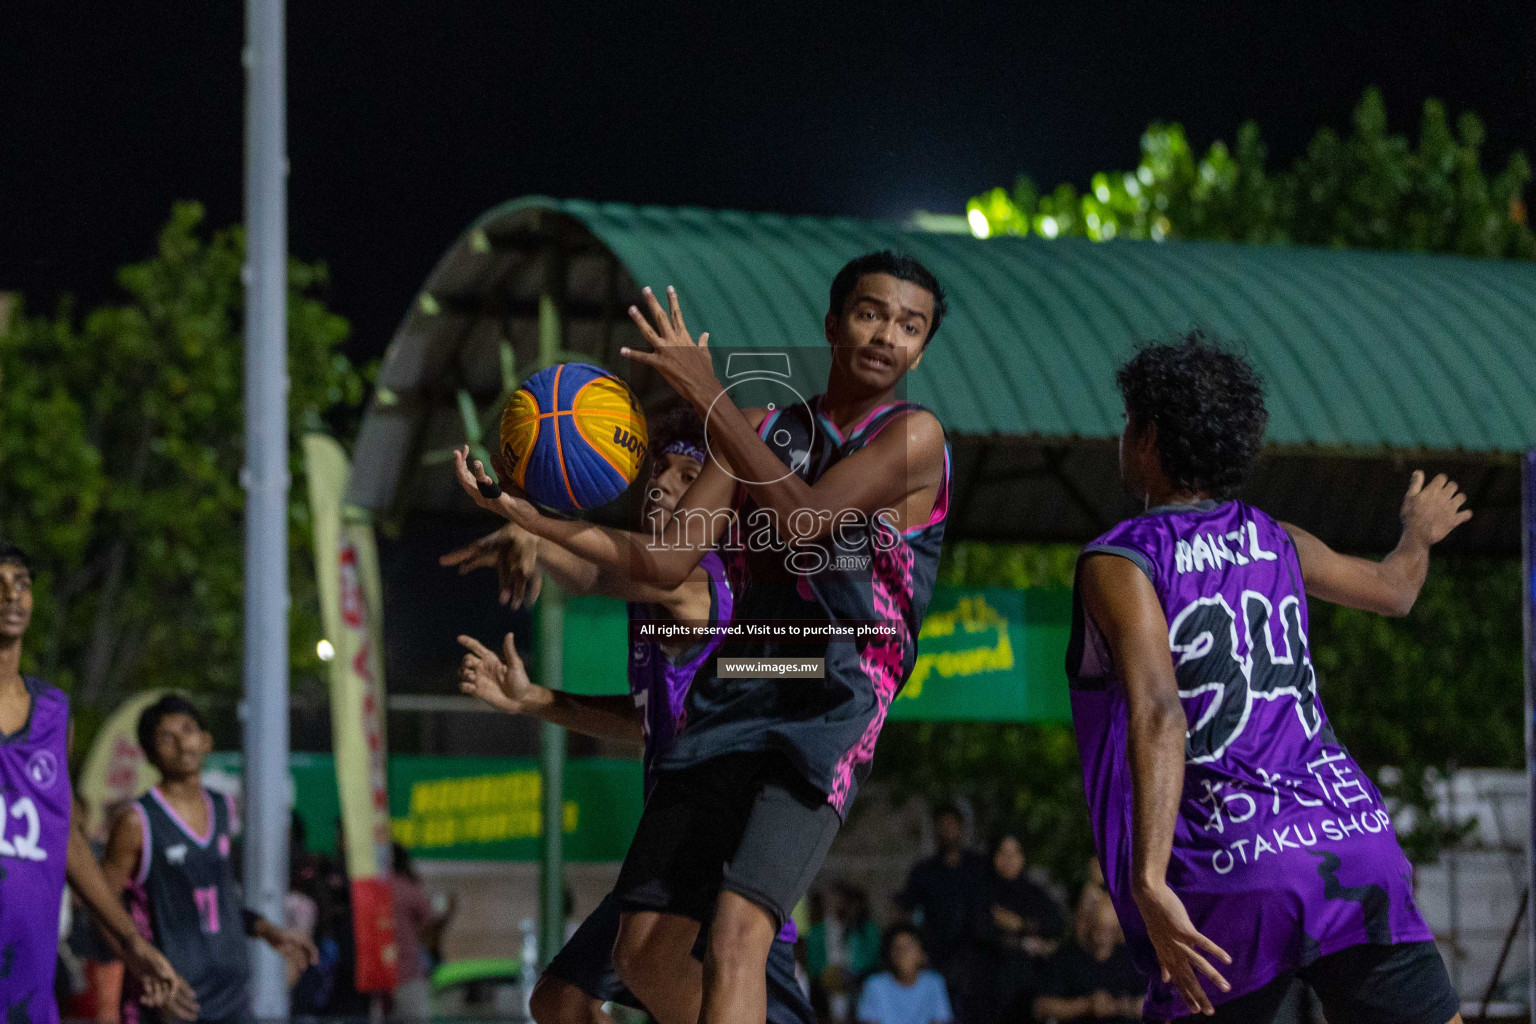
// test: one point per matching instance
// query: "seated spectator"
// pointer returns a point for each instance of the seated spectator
(1023, 927)
(904, 993)
(1091, 980)
(1024, 915)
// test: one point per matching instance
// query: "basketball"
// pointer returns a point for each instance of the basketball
(573, 436)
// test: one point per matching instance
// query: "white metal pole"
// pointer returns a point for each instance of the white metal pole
(266, 484)
(1528, 606)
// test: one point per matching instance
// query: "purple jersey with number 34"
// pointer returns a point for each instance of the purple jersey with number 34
(1283, 850)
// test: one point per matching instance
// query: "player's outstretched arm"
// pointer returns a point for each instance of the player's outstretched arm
(503, 683)
(899, 464)
(514, 553)
(520, 559)
(1391, 586)
(1123, 605)
(164, 989)
(702, 517)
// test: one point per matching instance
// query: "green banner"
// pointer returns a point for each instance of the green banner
(984, 655)
(472, 808)
(990, 656)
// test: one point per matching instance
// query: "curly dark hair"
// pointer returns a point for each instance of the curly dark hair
(1208, 404)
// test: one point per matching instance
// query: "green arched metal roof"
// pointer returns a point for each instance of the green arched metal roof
(1400, 350)
(1368, 356)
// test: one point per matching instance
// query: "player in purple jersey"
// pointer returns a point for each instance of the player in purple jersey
(578, 981)
(852, 490)
(1231, 822)
(40, 848)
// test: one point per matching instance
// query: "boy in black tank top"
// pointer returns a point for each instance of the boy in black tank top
(855, 482)
(172, 851)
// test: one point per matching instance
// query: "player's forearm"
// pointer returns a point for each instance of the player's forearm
(1402, 574)
(575, 575)
(603, 717)
(1156, 736)
(90, 884)
(617, 554)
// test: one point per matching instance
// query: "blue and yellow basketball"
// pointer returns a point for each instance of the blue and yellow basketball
(573, 436)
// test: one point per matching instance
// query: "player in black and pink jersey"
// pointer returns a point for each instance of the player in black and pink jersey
(172, 849)
(848, 493)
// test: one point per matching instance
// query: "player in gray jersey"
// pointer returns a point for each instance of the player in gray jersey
(172, 850)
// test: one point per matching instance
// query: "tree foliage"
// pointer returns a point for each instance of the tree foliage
(1369, 189)
(1418, 696)
(121, 448)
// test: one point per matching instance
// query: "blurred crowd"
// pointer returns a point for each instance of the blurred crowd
(968, 938)
(972, 938)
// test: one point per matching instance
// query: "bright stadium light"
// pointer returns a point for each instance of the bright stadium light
(325, 650)
(979, 226)
(1048, 227)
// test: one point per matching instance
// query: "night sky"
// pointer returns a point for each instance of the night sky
(407, 120)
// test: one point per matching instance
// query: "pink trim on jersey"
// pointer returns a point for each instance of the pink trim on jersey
(767, 424)
(876, 411)
(165, 806)
(143, 869)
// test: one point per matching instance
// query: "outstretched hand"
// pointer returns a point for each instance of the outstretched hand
(507, 503)
(162, 988)
(514, 553)
(682, 363)
(502, 682)
(1431, 511)
(296, 948)
(1178, 946)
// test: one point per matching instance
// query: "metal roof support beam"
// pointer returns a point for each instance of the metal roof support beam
(551, 672)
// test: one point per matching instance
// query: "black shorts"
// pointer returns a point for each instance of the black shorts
(586, 961)
(1404, 983)
(744, 823)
